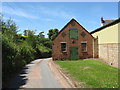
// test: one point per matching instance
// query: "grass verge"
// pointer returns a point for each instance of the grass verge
(91, 73)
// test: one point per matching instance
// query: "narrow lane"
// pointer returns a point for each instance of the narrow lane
(37, 74)
(47, 78)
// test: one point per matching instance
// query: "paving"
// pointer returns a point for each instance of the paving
(37, 74)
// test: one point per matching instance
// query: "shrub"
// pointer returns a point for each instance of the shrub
(43, 51)
(18, 50)
(9, 54)
(27, 52)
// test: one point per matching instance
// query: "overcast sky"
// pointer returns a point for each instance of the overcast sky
(44, 16)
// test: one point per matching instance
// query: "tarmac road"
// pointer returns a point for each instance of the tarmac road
(37, 74)
(48, 80)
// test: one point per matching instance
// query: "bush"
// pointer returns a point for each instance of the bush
(18, 50)
(27, 52)
(43, 51)
(10, 52)
(15, 56)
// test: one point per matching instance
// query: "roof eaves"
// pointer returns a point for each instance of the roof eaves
(109, 24)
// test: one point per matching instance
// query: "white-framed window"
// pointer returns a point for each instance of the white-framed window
(84, 46)
(63, 46)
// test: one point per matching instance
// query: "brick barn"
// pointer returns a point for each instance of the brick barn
(72, 42)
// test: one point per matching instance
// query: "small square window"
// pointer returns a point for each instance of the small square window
(63, 47)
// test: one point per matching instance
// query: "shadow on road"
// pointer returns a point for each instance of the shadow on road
(21, 79)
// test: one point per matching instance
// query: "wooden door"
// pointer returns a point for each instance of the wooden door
(73, 53)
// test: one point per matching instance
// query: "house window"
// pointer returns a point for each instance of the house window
(84, 46)
(73, 33)
(63, 47)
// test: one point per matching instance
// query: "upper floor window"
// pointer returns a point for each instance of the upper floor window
(73, 33)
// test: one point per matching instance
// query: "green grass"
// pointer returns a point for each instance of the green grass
(91, 73)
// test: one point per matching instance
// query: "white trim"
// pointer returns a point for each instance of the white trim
(63, 42)
(84, 42)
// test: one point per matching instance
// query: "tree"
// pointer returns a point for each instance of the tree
(52, 33)
(41, 35)
(28, 32)
(16, 51)
(9, 26)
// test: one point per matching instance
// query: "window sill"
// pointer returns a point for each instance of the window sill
(64, 51)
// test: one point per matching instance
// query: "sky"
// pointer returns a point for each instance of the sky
(42, 16)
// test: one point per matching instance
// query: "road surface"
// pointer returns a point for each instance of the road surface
(38, 74)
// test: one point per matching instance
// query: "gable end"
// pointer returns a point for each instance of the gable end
(72, 23)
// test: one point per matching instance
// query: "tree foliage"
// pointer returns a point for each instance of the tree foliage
(28, 32)
(41, 35)
(52, 33)
(18, 50)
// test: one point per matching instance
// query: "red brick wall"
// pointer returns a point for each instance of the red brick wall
(56, 47)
